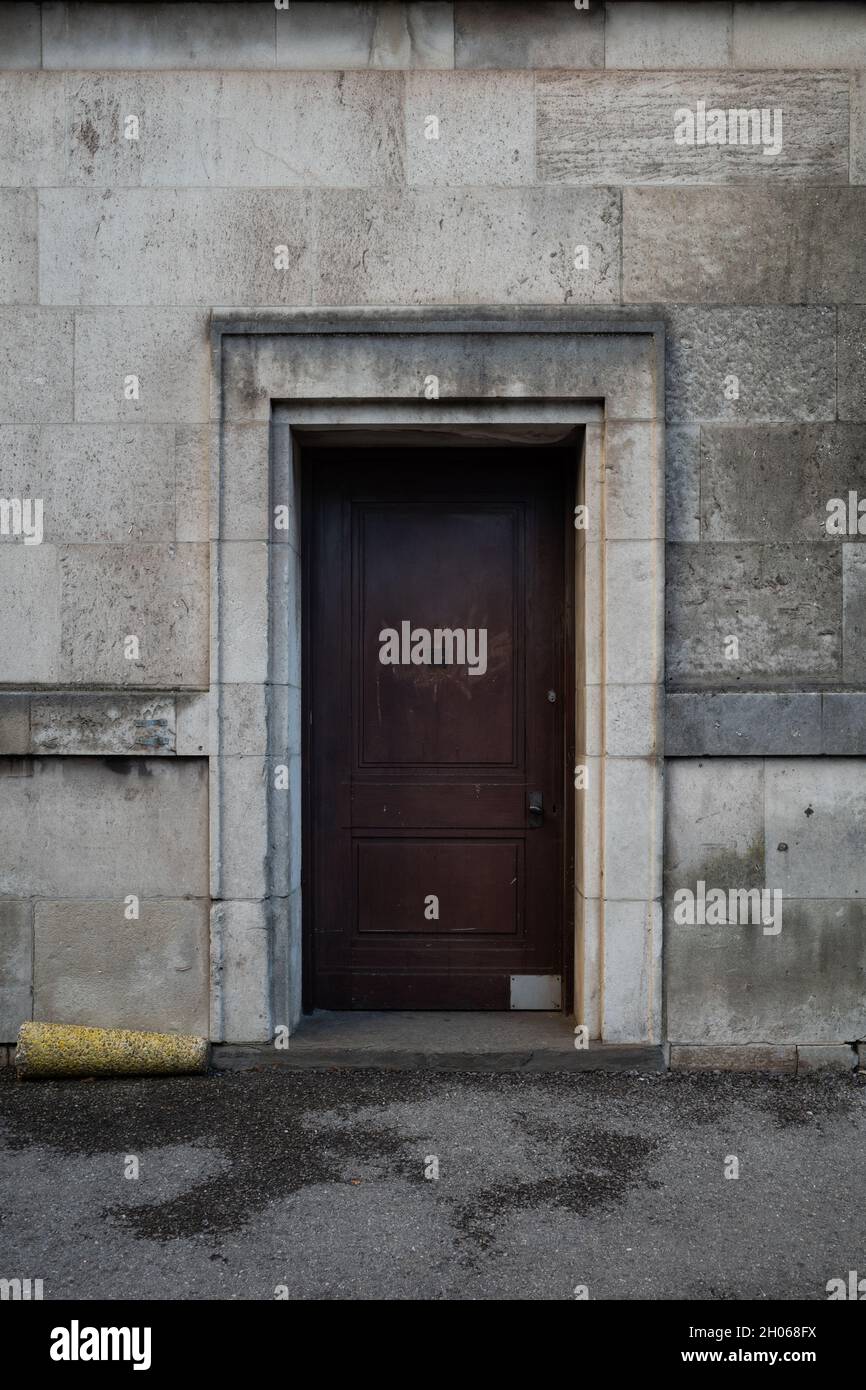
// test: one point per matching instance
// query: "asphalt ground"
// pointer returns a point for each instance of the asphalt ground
(321, 1185)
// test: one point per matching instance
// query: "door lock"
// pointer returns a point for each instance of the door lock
(536, 810)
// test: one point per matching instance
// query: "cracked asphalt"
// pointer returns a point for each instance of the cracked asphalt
(314, 1185)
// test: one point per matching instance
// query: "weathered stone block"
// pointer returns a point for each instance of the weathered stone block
(243, 784)
(98, 483)
(244, 588)
(714, 823)
(550, 34)
(167, 350)
(471, 246)
(175, 246)
(193, 725)
(852, 362)
(588, 837)
(844, 722)
(14, 724)
(19, 257)
(99, 35)
(243, 723)
(93, 967)
(241, 937)
(806, 34)
(858, 128)
(634, 639)
(634, 501)
(35, 365)
(607, 128)
(85, 827)
(742, 723)
(236, 130)
(30, 613)
(733, 984)
(20, 35)
(32, 121)
(155, 593)
(815, 810)
(780, 602)
(632, 841)
(631, 719)
(192, 458)
(744, 245)
(761, 483)
(666, 35)
(16, 955)
(682, 483)
(102, 724)
(854, 614)
(485, 133)
(243, 512)
(413, 35)
(783, 361)
(632, 951)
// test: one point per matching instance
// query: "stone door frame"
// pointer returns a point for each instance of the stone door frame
(275, 372)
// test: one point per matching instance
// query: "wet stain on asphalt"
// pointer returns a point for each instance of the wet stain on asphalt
(281, 1131)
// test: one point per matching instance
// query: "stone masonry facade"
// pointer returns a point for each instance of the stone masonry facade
(154, 160)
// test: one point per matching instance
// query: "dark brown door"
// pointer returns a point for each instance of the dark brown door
(435, 712)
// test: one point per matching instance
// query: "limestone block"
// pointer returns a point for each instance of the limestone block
(237, 129)
(30, 613)
(733, 984)
(783, 359)
(714, 823)
(469, 246)
(16, 955)
(549, 34)
(773, 483)
(667, 35)
(485, 131)
(160, 246)
(157, 594)
(127, 35)
(782, 604)
(852, 362)
(19, 256)
(167, 350)
(854, 614)
(744, 245)
(35, 365)
(815, 809)
(97, 483)
(93, 827)
(339, 35)
(621, 128)
(93, 967)
(20, 35)
(32, 121)
(241, 932)
(807, 34)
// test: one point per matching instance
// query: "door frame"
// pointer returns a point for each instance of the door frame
(491, 446)
(278, 373)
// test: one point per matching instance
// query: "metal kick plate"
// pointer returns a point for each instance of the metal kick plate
(536, 991)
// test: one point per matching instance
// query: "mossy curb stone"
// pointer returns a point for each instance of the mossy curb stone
(62, 1049)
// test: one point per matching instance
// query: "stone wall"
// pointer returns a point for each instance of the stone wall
(308, 129)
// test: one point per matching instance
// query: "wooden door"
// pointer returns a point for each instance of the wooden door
(435, 711)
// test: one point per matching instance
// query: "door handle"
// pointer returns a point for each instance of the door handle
(536, 810)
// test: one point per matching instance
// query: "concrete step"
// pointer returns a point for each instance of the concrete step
(405, 1041)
